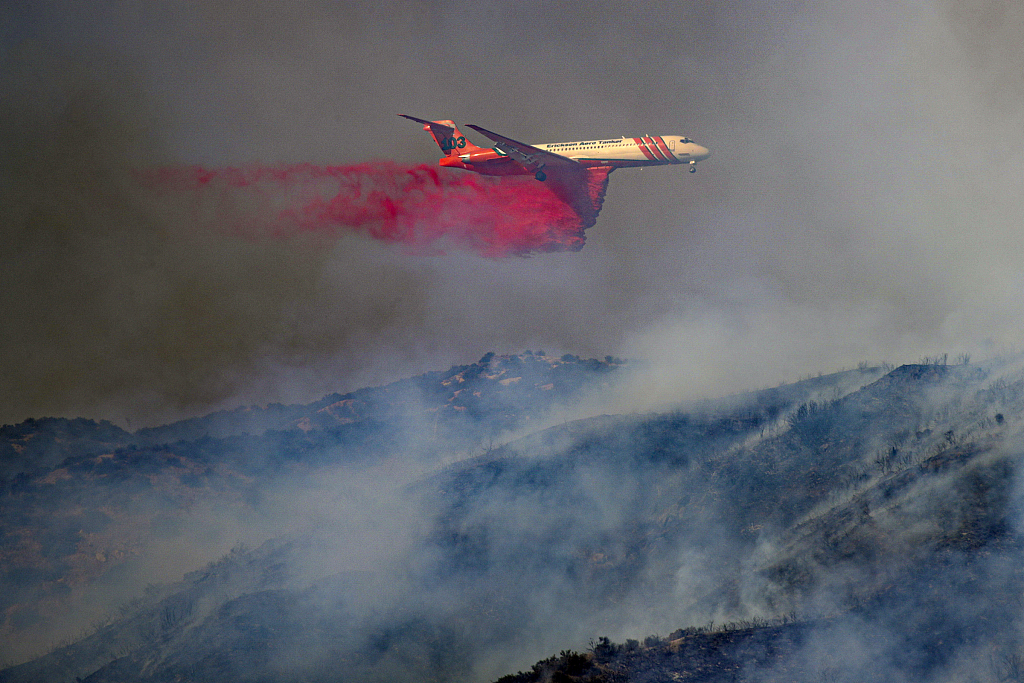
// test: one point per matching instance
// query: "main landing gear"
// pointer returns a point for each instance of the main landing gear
(541, 176)
(693, 167)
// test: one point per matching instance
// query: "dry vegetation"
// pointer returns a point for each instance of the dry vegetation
(852, 526)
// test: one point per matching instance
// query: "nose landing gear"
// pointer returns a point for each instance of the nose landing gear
(693, 167)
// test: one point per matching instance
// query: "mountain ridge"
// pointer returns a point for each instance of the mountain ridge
(822, 504)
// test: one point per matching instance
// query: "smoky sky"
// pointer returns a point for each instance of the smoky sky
(862, 201)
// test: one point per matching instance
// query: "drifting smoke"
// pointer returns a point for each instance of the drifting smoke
(421, 207)
(145, 296)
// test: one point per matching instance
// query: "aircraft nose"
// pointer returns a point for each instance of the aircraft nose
(700, 153)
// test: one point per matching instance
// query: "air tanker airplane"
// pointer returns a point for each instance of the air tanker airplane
(510, 157)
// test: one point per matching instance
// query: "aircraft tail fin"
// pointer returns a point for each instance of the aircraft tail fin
(446, 135)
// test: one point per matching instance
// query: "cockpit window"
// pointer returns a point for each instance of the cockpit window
(685, 140)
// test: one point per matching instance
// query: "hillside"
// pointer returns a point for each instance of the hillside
(857, 526)
(91, 514)
(886, 546)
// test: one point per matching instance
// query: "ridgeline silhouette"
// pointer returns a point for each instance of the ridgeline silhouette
(860, 525)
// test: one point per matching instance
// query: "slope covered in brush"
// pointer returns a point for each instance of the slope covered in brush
(90, 513)
(853, 526)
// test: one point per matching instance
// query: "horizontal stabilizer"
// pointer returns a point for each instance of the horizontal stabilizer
(446, 135)
(435, 127)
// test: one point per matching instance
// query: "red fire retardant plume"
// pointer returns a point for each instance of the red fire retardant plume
(424, 208)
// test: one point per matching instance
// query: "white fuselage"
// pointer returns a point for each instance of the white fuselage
(647, 149)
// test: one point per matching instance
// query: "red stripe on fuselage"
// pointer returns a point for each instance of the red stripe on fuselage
(664, 149)
(654, 149)
(643, 148)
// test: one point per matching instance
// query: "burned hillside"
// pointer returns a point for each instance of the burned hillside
(859, 525)
(87, 508)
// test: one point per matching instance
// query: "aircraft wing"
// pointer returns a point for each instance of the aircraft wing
(530, 157)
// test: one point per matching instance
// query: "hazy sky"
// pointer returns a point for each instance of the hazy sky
(862, 202)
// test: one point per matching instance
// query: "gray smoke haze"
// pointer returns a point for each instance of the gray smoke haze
(618, 526)
(862, 201)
